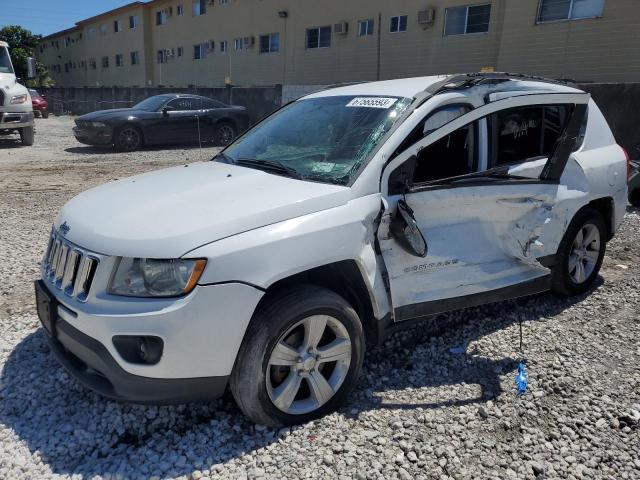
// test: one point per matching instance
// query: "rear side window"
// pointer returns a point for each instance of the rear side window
(185, 103)
(520, 134)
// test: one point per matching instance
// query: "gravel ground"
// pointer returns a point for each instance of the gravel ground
(419, 411)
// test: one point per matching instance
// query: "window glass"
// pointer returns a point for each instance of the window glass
(455, 21)
(466, 20)
(478, 19)
(587, 8)
(365, 28)
(518, 134)
(453, 155)
(398, 24)
(209, 103)
(184, 103)
(319, 37)
(551, 10)
(5, 62)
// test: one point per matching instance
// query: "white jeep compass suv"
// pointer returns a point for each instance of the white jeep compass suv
(343, 216)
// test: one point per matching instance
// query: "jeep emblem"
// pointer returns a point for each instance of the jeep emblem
(64, 228)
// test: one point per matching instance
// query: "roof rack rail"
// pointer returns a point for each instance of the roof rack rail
(468, 80)
(341, 84)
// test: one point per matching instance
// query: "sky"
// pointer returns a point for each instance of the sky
(49, 16)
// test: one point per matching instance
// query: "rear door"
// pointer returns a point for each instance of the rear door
(486, 231)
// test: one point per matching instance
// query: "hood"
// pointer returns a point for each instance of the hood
(11, 87)
(107, 114)
(166, 213)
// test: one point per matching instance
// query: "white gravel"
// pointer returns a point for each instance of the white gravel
(418, 412)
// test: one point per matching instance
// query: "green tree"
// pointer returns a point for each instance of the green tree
(23, 44)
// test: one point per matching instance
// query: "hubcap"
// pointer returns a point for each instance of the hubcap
(129, 138)
(308, 364)
(585, 251)
(225, 134)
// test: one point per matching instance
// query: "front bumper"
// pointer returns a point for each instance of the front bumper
(101, 136)
(15, 120)
(201, 333)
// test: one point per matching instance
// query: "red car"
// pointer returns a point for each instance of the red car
(40, 105)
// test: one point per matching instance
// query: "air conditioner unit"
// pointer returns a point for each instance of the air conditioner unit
(249, 41)
(427, 17)
(341, 28)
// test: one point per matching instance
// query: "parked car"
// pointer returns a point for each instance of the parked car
(40, 105)
(163, 119)
(345, 216)
(634, 184)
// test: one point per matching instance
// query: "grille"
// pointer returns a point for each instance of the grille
(68, 267)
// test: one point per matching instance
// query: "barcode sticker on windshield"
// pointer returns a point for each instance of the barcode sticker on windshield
(372, 102)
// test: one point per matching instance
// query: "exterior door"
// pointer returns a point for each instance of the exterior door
(487, 230)
(180, 124)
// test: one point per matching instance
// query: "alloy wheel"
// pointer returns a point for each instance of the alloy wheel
(129, 139)
(308, 364)
(226, 134)
(585, 251)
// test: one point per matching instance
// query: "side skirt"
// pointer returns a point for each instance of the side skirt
(411, 315)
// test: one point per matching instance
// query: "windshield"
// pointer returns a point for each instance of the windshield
(152, 104)
(324, 139)
(5, 62)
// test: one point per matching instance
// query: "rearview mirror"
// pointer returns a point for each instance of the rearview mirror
(404, 229)
(31, 67)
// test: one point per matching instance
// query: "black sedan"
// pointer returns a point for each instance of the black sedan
(162, 119)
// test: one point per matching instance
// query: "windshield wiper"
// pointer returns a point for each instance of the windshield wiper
(224, 158)
(269, 166)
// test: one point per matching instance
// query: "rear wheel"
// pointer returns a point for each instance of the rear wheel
(45, 114)
(27, 136)
(580, 254)
(128, 139)
(225, 133)
(301, 357)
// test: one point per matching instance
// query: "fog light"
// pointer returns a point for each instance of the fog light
(144, 350)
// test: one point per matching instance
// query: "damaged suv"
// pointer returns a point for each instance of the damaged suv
(344, 216)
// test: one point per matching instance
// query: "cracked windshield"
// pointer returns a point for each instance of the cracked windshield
(322, 139)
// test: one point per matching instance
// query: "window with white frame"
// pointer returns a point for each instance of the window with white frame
(467, 20)
(223, 2)
(200, 51)
(319, 37)
(135, 58)
(199, 7)
(555, 10)
(270, 43)
(91, 32)
(238, 43)
(103, 29)
(119, 60)
(365, 28)
(223, 46)
(105, 62)
(162, 17)
(133, 21)
(180, 51)
(161, 56)
(179, 10)
(398, 24)
(116, 26)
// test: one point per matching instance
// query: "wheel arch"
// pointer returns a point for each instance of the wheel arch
(130, 123)
(605, 206)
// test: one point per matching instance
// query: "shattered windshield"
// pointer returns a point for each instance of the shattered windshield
(5, 62)
(324, 139)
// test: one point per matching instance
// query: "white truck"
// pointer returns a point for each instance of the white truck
(344, 216)
(16, 110)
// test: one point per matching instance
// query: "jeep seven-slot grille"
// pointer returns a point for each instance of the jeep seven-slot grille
(68, 267)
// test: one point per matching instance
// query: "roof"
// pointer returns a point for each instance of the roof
(61, 32)
(112, 12)
(412, 87)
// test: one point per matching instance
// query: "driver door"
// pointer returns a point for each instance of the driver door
(487, 231)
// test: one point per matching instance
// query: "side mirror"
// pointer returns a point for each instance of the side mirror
(31, 67)
(401, 178)
(166, 110)
(404, 229)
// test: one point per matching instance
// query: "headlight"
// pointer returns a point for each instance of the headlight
(148, 277)
(98, 124)
(18, 99)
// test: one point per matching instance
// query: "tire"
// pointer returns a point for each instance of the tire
(634, 197)
(579, 260)
(45, 114)
(27, 136)
(128, 139)
(255, 381)
(224, 133)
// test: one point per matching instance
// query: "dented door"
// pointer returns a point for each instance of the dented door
(486, 234)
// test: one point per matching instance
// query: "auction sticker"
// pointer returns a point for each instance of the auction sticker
(372, 102)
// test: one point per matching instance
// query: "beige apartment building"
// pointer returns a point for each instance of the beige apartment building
(184, 43)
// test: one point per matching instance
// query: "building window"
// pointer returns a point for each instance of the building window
(135, 58)
(223, 46)
(161, 56)
(92, 63)
(162, 17)
(105, 62)
(133, 21)
(119, 60)
(200, 51)
(270, 43)
(199, 7)
(319, 37)
(180, 51)
(237, 43)
(398, 24)
(116, 26)
(365, 28)
(179, 10)
(554, 10)
(466, 20)
(91, 32)
(103, 29)
(223, 2)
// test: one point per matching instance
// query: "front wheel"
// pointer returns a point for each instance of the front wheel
(27, 136)
(128, 139)
(45, 114)
(580, 254)
(301, 357)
